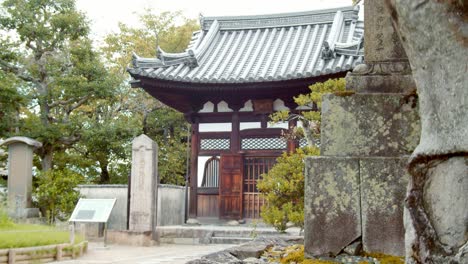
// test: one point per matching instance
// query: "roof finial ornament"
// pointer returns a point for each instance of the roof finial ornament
(201, 18)
(192, 60)
(327, 53)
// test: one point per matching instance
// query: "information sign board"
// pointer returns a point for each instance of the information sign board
(92, 210)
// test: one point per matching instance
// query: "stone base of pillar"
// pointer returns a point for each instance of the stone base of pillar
(192, 221)
(24, 213)
(351, 197)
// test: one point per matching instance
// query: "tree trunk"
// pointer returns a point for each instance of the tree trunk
(104, 177)
(434, 35)
(46, 154)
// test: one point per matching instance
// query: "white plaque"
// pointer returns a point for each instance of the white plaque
(92, 210)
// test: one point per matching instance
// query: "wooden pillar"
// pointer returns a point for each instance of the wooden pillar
(194, 170)
(264, 121)
(235, 135)
(292, 143)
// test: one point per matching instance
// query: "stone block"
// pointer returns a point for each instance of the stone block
(249, 250)
(374, 124)
(446, 196)
(380, 38)
(374, 79)
(130, 238)
(332, 204)
(144, 182)
(383, 188)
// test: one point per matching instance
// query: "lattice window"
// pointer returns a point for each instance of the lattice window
(215, 143)
(263, 143)
(302, 142)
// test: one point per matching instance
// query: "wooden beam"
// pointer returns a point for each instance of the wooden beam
(194, 170)
(235, 135)
(292, 143)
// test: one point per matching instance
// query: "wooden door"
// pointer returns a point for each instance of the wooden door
(230, 187)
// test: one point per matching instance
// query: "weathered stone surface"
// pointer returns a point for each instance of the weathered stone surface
(383, 191)
(20, 162)
(250, 250)
(440, 73)
(434, 35)
(386, 68)
(252, 261)
(381, 78)
(446, 200)
(218, 257)
(144, 181)
(332, 204)
(124, 237)
(381, 40)
(354, 248)
(369, 125)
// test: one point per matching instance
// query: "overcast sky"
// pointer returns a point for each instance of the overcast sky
(105, 14)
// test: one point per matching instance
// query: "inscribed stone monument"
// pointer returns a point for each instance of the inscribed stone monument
(386, 68)
(144, 182)
(20, 158)
(377, 127)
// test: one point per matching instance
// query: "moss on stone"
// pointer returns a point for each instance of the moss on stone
(297, 256)
(386, 259)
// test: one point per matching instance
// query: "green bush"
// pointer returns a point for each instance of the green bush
(56, 193)
(283, 189)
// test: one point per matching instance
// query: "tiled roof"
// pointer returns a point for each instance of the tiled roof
(262, 48)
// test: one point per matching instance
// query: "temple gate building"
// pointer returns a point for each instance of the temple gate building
(235, 72)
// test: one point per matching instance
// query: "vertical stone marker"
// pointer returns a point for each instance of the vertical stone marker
(387, 69)
(145, 180)
(377, 128)
(20, 157)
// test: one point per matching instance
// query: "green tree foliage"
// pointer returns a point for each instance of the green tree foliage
(311, 119)
(283, 185)
(56, 195)
(10, 99)
(58, 69)
(167, 127)
(283, 189)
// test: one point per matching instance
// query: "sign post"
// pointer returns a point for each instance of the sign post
(92, 211)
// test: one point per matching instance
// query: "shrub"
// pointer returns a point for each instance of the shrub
(56, 195)
(283, 189)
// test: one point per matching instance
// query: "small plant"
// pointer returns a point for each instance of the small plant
(283, 189)
(311, 119)
(5, 221)
(56, 194)
(254, 232)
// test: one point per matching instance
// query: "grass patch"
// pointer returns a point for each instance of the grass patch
(26, 235)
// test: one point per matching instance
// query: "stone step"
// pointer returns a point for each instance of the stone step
(230, 240)
(215, 234)
(244, 233)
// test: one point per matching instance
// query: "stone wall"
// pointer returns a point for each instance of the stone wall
(118, 217)
(171, 205)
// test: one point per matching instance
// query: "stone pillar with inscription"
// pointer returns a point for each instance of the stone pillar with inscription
(20, 163)
(143, 190)
(355, 190)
